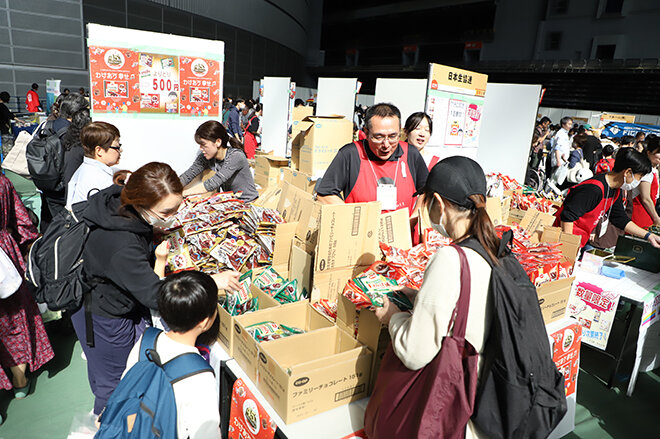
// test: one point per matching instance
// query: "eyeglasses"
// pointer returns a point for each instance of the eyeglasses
(116, 148)
(380, 138)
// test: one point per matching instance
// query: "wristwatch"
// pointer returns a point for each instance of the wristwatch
(646, 237)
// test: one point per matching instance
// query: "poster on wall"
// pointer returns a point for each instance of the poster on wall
(115, 85)
(594, 309)
(199, 86)
(127, 80)
(454, 100)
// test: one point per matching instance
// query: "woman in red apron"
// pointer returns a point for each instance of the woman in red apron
(600, 197)
(251, 131)
(646, 195)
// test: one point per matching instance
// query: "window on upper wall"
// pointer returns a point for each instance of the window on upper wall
(553, 41)
(558, 7)
(610, 8)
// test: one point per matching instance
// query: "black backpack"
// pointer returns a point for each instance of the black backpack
(54, 270)
(45, 158)
(521, 393)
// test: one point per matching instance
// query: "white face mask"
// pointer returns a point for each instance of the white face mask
(630, 186)
(438, 227)
(158, 222)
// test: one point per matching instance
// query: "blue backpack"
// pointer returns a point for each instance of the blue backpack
(143, 404)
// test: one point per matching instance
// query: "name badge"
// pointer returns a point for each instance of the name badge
(387, 195)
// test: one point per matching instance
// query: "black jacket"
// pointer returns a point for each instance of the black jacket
(119, 251)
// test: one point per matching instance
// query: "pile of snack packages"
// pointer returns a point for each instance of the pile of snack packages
(221, 232)
(401, 268)
(523, 197)
(531, 201)
(542, 261)
(267, 331)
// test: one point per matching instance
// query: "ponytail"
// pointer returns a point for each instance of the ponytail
(235, 143)
(121, 177)
(481, 227)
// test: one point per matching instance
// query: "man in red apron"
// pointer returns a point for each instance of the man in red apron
(600, 197)
(380, 168)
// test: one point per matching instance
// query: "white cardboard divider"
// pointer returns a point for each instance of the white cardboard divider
(409, 95)
(508, 122)
(336, 96)
(146, 138)
(276, 115)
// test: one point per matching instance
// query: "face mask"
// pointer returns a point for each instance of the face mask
(630, 186)
(438, 227)
(159, 223)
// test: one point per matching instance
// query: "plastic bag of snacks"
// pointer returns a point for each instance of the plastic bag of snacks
(269, 281)
(267, 331)
(327, 308)
(241, 302)
(371, 289)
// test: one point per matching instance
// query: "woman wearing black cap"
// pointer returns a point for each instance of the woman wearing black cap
(456, 201)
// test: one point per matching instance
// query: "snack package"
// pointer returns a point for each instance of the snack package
(179, 260)
(267, 331)
(288, 293)
(241, 301)
(269, 282)
(327, 308)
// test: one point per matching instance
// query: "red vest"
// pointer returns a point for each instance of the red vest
(250, 141)
(640, 216)
(585, 225)
(366, 186)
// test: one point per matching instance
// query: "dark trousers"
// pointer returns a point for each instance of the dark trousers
(50, 207)
(106, 361)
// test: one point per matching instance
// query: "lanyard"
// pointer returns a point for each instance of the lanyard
(396, 171)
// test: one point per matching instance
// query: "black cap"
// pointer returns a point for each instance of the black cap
(456, 179)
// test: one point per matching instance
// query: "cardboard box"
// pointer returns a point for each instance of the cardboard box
(535, 221)
(298, 315)
(330, 284)
(394, 229)
(290, 204)
(516, 216)
(553, 298)
(498, 209)
(301, 265)
(298, 179)
(270, 197)
(321, 142)
(284, 234)
(267, 169)
(370, 332)
(309, 374)
(347, 236)
(226, 321)
(308, 224)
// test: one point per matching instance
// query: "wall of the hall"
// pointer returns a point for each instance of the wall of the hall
(43, 39)
(522, 28)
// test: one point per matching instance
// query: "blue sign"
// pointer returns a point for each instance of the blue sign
(620, 129)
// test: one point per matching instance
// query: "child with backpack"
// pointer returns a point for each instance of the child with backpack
(178, 385)
(606, 164)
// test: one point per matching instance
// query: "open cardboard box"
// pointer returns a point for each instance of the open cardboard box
(321, 141)
(394, 229)
(553, 296)
(291, 200)
(311, 373)
(298, 315)
(498, 209)
(535, 221)
(226, 321)
(269, 197)
(267, 169)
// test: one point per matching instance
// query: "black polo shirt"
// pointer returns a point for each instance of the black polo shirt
(342, 174)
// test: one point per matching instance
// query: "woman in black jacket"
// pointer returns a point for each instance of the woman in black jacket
(124, 270)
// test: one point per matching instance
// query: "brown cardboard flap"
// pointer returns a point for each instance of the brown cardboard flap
(300, 113)
(570, 243)
(284, 234)
(308, 224)
(330, 284)
(290, 204)
(300, 267)
(394, 229)
(270, 198)
(535, 220)
(348, 235)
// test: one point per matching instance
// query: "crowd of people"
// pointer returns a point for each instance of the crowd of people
(388, 162)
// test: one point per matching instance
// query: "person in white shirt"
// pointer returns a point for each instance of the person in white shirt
(187, 303)
(100, 141)
(561, 144)
(456, 201)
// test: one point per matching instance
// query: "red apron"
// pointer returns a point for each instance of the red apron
(250, 144)
(585, 225)
(640, 216)
(366, 186)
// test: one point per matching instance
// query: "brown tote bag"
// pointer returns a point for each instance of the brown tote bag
(437, 400)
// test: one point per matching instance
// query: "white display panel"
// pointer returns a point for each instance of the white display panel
(409, 95)
(336, 96)
(276, 115)
(508, 122)
(154, 137)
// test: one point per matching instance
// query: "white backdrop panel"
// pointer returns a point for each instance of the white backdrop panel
(409, 95)
(336, 96)
(276, 115)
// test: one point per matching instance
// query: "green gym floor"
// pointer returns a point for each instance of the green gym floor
(60, 392)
